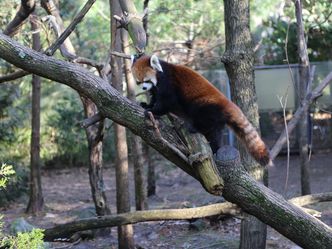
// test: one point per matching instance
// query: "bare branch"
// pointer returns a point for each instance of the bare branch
(311, 199)
(297, 115)
(78, 18)
(66, 48)
(122, 55)
(13, 76)
(284, 105)
(26, 8)
(89, 62)
(140, 216)
(92, 120)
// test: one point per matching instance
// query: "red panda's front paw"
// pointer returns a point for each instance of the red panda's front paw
(148, 113)
(151, 121)
(144, 105)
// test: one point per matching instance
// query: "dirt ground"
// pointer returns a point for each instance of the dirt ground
(67, 191)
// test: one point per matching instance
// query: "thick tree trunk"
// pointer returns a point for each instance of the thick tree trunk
(36, 200)
(95, 134)
(238, 59)
(125, 233)
(303, 85)
(136, 143)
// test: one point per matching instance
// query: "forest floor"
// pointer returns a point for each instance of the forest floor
(67, 193)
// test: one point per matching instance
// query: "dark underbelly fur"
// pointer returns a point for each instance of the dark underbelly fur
(207, 120)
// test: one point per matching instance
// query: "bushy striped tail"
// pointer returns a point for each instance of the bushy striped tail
(248, 135)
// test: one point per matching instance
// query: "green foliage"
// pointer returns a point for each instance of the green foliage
(92, 35)
(23, 240)
(181, 20)
(6, 171)
(316, 17)
(33, 240)
(62, 138)
(14, 121)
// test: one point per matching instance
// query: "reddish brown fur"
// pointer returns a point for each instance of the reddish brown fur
(196, 89)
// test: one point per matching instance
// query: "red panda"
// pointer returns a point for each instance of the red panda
(187, 94)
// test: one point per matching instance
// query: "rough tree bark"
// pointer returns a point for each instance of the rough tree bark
(94, 133)
(239, 59)
(304, 70)
(36, 200)
(136, 141)
(125, 233)
(269, 207)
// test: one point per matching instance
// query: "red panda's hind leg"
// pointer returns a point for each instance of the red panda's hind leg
(214, 138)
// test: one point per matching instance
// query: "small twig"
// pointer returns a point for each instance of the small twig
(52, 23)
(287, 59)
(89, 62)
(126, 18)
(303, 108)
(283, 105)
(106, 68)
(309, 88)
(78, 18)
(13, 76)
(168, 144)
(122, 55)
(92, 120)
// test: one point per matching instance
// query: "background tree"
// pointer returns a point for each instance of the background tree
(136, 142)
(238, 59)
(125, 233)
(94, 131)
(36, 200)
(304, 75)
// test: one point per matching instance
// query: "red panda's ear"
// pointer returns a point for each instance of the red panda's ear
(155, 64)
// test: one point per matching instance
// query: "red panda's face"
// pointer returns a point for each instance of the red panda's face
(145, 72)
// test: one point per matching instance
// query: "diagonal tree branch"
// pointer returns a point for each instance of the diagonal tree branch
(311, 96)
(13, 76)
(26, 8)
(78, 18)
(110, 103)
(271, 208)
